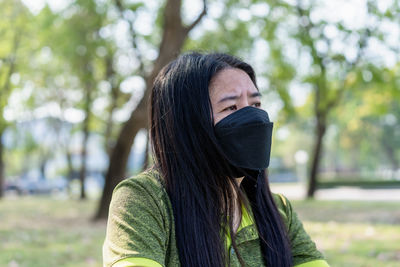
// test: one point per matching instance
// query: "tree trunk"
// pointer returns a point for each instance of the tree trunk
(391, 155)
(4, 92)
(110, 76)
(316, 156)
(174, 35)
(108, 141)
(120, 154)
(70, 174)
(146, 152)
(43, 168)
(2, 177)
(83, 170)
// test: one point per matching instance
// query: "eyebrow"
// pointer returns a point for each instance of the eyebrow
(233, 97)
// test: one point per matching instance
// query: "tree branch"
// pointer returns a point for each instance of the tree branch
(199, 18)
(172, 14)
(133, 34)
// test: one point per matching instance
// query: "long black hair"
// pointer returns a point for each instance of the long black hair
(198, 178)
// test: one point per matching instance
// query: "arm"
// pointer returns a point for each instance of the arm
(304, 250)
(136, 262)
(136, 232)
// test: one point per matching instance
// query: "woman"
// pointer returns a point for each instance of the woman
(206, 201)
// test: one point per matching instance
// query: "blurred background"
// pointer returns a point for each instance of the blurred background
(75, 77)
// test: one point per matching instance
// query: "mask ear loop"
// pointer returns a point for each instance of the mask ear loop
(253, 179)
(260, 176)
(251, 183)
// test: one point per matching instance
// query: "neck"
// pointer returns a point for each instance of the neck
(239, 180)
(236, 214)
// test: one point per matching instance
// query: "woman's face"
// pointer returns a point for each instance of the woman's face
(230, 90)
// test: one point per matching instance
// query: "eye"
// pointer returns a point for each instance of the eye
(233, 107)
(257, 105)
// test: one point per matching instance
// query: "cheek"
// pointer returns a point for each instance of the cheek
(218, 117)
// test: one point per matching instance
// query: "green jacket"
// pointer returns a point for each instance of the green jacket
(141, 231)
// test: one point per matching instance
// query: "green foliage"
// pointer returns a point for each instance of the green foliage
(14, 31)
(374, 109)
(64, 55)
(302, 52)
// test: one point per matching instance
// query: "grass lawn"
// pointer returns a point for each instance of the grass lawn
(354, 233)
(40, 231)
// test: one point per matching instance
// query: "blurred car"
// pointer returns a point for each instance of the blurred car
(23, 186)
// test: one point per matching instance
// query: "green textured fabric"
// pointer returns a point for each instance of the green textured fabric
(141, 224)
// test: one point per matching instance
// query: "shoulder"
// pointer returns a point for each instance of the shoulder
(149, 180)
(304, 250)
(289, 216)
(147, 184)
(284, 207)
(140, 222)
(142, 193)
(280, 200)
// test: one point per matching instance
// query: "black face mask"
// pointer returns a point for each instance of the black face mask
(245, 137)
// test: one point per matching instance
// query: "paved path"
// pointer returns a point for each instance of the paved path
(298, 191)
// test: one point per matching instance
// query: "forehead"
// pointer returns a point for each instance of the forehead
(231, 81)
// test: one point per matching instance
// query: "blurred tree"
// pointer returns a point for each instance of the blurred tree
(77, 43)
(174, 33)
(82, 72)
(327, 95)
(373, 125)
(286, 41)
(115, 93)
(328, 71)
(13, 30)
